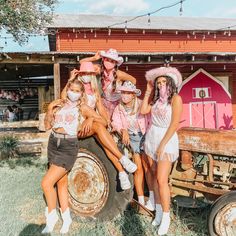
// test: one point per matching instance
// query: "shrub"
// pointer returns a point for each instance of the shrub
(8, 147)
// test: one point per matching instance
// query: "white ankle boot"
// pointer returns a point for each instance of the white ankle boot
(66, 221)
(165, 224)
(51, 220)
(158, 215)
(150, 204)
(124, 180)
(128, 164)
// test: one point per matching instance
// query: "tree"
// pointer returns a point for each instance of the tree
(21, 18)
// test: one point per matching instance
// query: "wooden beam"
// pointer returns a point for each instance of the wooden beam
(57, 82)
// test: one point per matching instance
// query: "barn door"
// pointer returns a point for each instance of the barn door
(203, 114)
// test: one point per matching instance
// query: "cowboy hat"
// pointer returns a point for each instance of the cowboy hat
(171, 72)
(112, 54)
(128, 86)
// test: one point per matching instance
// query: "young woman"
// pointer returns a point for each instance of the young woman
(111, 77)
(65, 118)
(86, 74)
(132, 125)
(161, 143)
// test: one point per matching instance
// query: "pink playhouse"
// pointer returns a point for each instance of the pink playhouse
(206, 102)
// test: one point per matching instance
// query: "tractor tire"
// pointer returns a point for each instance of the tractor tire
(222, 217)
(93, 185)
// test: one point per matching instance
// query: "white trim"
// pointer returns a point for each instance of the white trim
(207, 74)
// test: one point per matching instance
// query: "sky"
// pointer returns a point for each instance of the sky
(191, 8)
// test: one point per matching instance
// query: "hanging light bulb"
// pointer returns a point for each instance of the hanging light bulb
(85, 36)
(215, 36)
(95, 34)
(109, 31)
(229, 33)
(126, 29)
(149, 19)
(181, 8)
(144, 31)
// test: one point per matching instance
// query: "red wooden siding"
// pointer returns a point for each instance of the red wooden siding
(148, 42)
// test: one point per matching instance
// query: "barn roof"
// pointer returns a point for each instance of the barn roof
(157, 22)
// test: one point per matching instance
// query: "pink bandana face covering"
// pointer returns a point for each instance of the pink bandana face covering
(163, 93)
(109, 65)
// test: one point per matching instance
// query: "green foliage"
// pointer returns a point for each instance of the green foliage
(8, 146)
(23, 17)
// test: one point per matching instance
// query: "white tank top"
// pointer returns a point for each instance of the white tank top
(68, 119)
(161, 114)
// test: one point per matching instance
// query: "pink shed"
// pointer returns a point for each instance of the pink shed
(206, 102)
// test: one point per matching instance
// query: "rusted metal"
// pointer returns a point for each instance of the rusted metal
(201, 188)
(219, 142)
(186, 160)
(225, 220)
(231, 185)
(88, 185)
(211, 167)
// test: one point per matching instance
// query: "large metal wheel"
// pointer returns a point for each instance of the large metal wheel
(222, 218)
(94, 189)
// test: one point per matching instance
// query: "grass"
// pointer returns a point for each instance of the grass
(22, 208)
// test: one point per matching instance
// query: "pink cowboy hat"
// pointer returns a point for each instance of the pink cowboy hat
(128, 86)
(112, 54)
(172, 72)
(86, 67)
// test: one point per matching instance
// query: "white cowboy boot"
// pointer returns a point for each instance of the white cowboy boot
(66, 221)
(51, 220)
(165, 224)
(158, 215)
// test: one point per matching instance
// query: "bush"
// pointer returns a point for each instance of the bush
(8, 147)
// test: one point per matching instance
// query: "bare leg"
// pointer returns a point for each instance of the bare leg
(62, 186)
(53, 174)
(147, 171)
(114, 160)
(163, 172)
(138, 175)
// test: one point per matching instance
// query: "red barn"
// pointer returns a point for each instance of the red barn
(189, 44)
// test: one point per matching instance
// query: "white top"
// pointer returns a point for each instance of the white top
(161, 114)
(68, 118)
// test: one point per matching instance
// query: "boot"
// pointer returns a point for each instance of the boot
(124, 180)
(51, 220)
(66, 221)
(158, 215)
(165, 224)
(128, 164)
(150, 204)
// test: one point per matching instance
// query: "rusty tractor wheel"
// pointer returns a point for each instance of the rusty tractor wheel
(222, 218)
(94, 190)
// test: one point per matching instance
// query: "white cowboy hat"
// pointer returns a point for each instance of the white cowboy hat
(172, 72)
(128, 86)
(112, 54)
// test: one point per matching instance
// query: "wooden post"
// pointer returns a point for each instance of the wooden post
(57, 82)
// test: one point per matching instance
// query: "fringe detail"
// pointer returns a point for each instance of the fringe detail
(172, 157)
